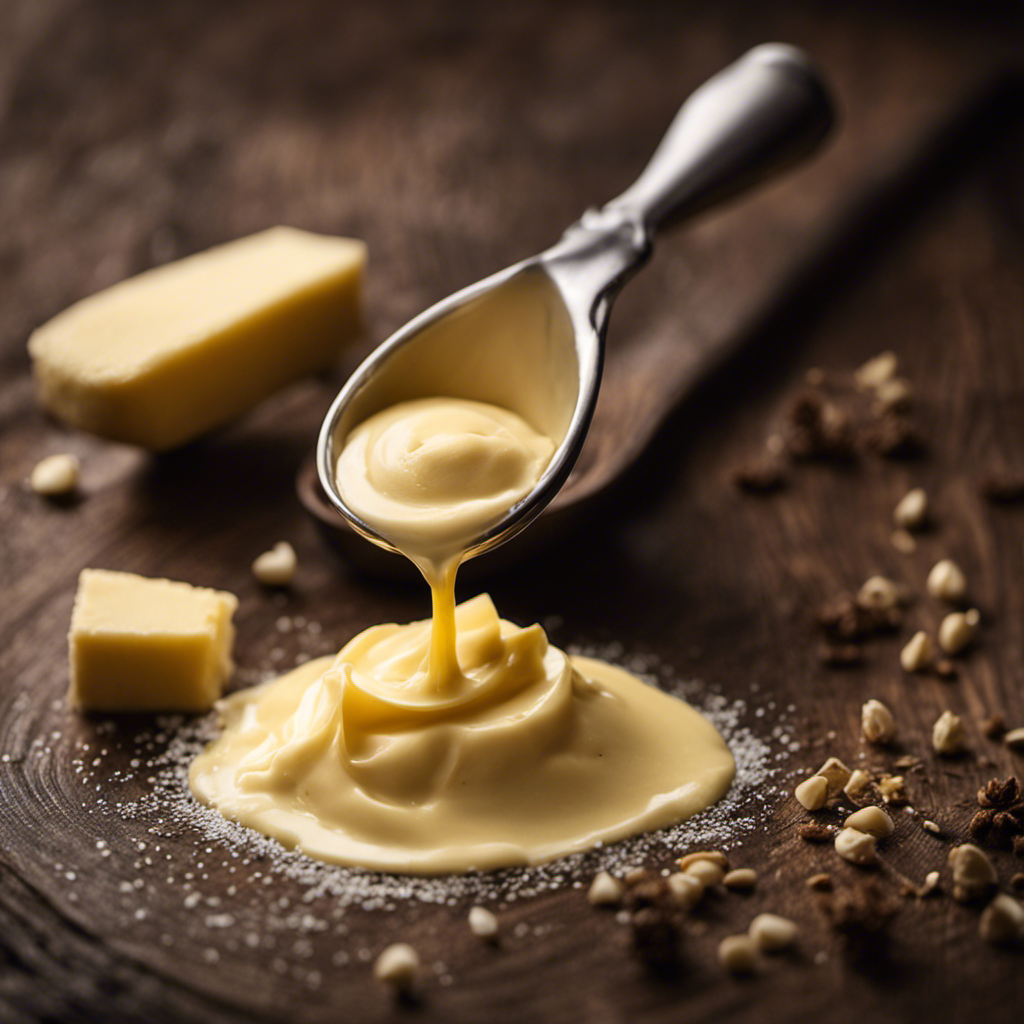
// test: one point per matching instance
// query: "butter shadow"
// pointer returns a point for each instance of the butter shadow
(238, 474)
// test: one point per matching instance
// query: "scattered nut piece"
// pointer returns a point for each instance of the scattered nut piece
(930, 826)
(872, 820)
(816, 833)
(706, 871)
(483, 923)
(812, 793)
(276, 567)
(1014, 739)
(957, 630)
(948, 737)
(836, 774)
(821, 882)
(737, 954)
(911, 512)
(398, 966)
(876, 722)
(974, 877)
(743, 879)
(817, 428)
(858, 782)
(878, 592)
(633, 875)
(685, 890)
(908, 761)
(605, 891)
(770, 932)
(55, 475)
(715, 856)
(917, 653)
(895, 395)
(903, 542)
(856, 847)
(947, 581)
(877, 370)
(1002, 921)
(931, 883)
(893, 790)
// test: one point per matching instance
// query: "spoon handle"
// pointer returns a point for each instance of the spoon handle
(757, 116)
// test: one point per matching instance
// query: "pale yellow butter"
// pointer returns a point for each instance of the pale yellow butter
(139, 644)
(163, 357)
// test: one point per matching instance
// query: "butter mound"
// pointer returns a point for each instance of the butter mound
(531, 756)
(163, 357)
(139, 644)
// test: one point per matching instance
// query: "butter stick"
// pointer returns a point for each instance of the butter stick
(164, 357)
(140, 644)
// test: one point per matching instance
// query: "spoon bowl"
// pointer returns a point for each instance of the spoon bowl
(531, 338)
(532, 365)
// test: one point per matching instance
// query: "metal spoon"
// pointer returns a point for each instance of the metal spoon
(531, 338)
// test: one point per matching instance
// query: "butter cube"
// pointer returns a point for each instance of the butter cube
(141, 644)
(163, 357)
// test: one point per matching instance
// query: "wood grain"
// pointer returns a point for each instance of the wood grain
(456, 140)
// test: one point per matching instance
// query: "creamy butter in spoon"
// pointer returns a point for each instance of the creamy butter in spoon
(463, 742)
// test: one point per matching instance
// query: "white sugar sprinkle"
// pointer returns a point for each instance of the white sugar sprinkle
(722, 826)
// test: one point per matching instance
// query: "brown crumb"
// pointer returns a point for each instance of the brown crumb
(648, 892)
(818, 429)
(655, 939)
(816, 833)
(1001, 818)
(654, 920)
(945, 669)
(760, 476)
(1002, 487)
(859, 910)
(894, 436)
(821, 882)
(841, 655)
(981, 825)
(1001, 795)
(844, 620)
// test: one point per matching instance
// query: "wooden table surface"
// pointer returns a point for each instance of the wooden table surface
(457, 139)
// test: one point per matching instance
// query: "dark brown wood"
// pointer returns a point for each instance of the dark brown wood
(457, 140)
